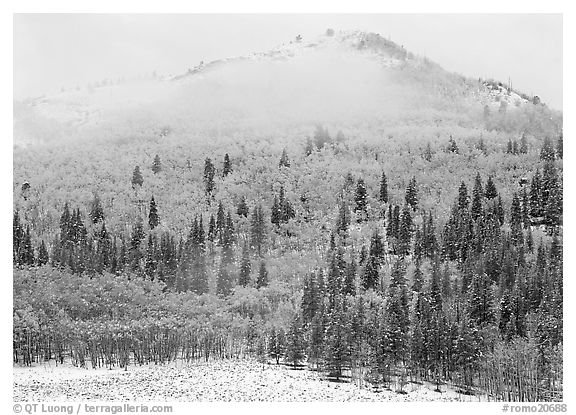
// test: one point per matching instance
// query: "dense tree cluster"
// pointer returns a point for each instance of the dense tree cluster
(404, 292)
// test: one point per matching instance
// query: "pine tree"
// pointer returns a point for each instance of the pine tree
(452, 146)
(516, 215)
(482, 146)
(209, 173)
(383, 195)
(284, 161)
(242, 209)
(337, 353)
(560, 147)
(536, 208)
(361, 198)
(96, 211)
(137, 179)
(42, 257)
(509, 147)
(428, 153)
(418, 278)
(262, 280)
(481, 303)
(220, 222)
(196, 258)
(18, 235)
(223, 281)
(412, 194)
(523, 144)
(491, 191)
(343, 220)
(463, 197)
(551, 195)
(477, 197)
(349, 287)
(525, 209)
(153, 218)
(295, 344)
(435, 289)
(257, 229)
(547, 152)
(397, 314)
(135, 240)
(26, 251)
(405, 232)
(371, 277)
(156, 165)
(245, 268)
(277, 343)
(227, 167)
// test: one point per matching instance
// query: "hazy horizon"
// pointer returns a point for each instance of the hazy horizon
(52, 51)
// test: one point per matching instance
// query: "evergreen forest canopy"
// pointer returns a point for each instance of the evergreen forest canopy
(425, 246)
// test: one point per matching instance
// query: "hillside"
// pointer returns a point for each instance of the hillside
(340, 203)
(345, 80)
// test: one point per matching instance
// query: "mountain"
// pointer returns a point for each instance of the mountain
(343, 79)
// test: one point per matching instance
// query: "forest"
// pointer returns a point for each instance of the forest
(373, 259)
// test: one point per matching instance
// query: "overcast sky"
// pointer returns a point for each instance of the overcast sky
(51, 51)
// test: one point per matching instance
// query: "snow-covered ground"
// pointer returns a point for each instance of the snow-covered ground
(213, 381)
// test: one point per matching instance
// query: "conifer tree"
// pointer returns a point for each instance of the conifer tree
(137, 179)
(491, 191)
(560, 147)
(349, 287)
(435, 290)
(295, 344)
(405, 232)
(337, 353)
(26, 251)
(343, 220)
(245, 267)
(481, 301)
(224, 282)
(361, 198)
(156, 165)
(371, 277)
(383, 195)
(284, 161)
(516, 221)
(220, 222)
(482, 146)
(418, 278)
(525, 209)
(428, 152)
(536, 209)
(227, 166)
(257, 229)
(310, 304)
(477, 197)
(509, 147)
(18, 234)
(412, 194)
(153, 218)
(547, 152)
(209, 173)
(96, 211)
(523, 144)
(42, 257)
(463, 197)
(452, 146)
(262, 280)
(277, 343)
(242, 209)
